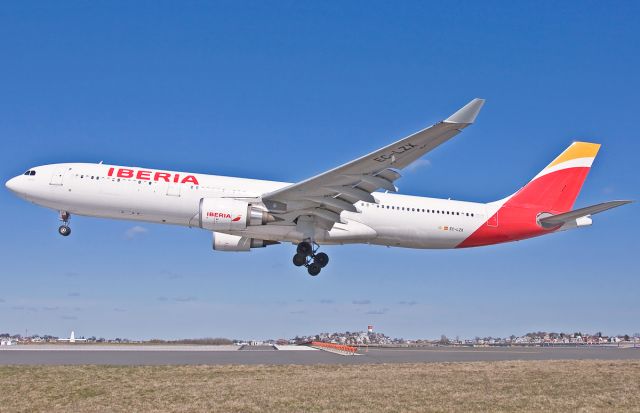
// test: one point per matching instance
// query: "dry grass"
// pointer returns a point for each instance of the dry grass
(482, 386)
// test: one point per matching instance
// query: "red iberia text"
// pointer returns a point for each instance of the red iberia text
(146, 175)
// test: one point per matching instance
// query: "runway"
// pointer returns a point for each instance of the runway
(222, 355)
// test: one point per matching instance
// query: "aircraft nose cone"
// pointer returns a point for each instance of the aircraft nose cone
(12, 184)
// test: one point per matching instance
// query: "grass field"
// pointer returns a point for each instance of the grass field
(482, 386)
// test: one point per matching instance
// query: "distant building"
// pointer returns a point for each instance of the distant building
(72, 338)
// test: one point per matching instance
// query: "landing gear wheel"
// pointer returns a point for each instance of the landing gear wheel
(305, 248)
(299, 260)
(321, 259)
(64, 229)
(313, 269)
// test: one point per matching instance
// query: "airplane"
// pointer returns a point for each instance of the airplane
(72, 338)
(352, 203)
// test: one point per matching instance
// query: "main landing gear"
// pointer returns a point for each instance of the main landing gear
(64, 229)
(306, 255)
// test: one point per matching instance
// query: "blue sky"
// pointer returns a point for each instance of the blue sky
(286, 90)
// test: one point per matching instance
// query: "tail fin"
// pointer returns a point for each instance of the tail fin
(557, 186)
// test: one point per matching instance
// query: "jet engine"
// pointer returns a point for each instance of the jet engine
(228, 214)
(228, 242)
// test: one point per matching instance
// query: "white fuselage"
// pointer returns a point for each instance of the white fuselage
(95, 190)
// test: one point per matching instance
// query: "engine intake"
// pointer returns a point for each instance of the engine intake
(228, 214)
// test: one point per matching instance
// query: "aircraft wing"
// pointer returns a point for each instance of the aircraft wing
(324, 196)
(567, 217)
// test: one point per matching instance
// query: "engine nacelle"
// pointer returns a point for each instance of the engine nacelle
(228, 214)
(228, 242)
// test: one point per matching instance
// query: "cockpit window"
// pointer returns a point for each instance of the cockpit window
(32, 173)
(27, 173)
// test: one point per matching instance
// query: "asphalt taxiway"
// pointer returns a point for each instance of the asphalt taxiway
(219, 355)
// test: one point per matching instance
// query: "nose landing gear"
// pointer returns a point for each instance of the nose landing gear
(306, 255)
(64, 229)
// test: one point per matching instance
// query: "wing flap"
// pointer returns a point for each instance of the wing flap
(389, 174)
(337, 203)
(375, 182)
(356, 194)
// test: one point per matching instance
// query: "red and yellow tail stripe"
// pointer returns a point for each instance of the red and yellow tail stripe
(577, 155)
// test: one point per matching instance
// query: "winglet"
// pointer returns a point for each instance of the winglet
(468, 113)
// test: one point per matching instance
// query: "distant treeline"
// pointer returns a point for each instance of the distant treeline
(205, 341)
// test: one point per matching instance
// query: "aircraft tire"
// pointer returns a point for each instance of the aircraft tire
(299, 260)
(304, 248)
(313, 269)
(321, 259)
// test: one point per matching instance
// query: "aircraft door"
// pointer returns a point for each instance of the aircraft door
(58, 177)
(173, 189)
(493, 220)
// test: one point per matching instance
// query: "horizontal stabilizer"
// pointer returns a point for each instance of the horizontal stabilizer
(560, 219)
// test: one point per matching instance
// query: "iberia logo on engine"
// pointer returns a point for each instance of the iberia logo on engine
(225, 215)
